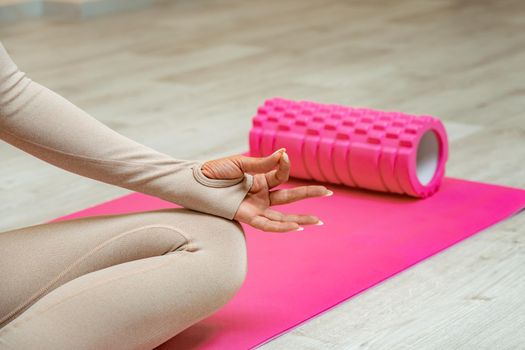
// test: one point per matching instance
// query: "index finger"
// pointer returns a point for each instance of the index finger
(281, 174)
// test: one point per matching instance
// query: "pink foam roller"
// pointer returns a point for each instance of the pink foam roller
(359, 147)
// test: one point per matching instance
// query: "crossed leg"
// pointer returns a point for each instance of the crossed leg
(129, 281)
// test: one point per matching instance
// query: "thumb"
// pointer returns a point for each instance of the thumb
(260, 165)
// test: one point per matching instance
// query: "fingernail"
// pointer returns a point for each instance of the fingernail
(328, 194)
(300, 228)
(319, 223)
(285, 157)
(279, 150)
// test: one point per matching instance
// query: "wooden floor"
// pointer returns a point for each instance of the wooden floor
(185, 78)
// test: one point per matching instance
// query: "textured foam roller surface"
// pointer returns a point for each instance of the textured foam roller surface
(359, 147)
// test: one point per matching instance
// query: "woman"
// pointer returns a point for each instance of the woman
(128, 281)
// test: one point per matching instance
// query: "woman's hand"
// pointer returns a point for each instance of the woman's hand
(255, 208)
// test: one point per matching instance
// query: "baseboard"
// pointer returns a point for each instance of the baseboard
(87, 9)
(79, 9)
(16, 10)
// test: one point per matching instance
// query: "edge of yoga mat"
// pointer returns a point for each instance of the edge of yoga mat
(235, 325)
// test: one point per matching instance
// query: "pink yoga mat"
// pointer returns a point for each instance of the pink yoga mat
(367, 237)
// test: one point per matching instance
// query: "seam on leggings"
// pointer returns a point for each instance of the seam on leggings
(75, 263)
(18, 322)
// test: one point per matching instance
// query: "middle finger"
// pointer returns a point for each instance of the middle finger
(285, 196)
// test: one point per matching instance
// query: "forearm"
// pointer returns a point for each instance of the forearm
(44, 124)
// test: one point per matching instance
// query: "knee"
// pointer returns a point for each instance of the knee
(222, 242)
(237, 263)
(231, 254)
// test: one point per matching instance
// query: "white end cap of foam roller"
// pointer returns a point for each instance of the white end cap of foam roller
(427, 157)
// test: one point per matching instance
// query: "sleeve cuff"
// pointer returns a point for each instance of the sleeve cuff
(221, 197)
(206, 181)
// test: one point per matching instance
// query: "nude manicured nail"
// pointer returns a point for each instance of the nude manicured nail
(285, 157)
(319, 223)
(279, 150)
(300, 228)
(329, 193)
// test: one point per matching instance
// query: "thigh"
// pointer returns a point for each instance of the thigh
(109, 273)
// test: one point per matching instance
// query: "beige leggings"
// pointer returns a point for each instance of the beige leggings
(129, 281)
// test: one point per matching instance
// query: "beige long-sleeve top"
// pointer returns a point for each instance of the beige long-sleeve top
(46, 125)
